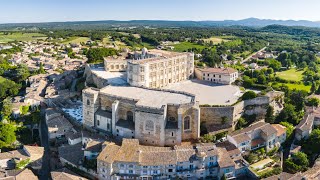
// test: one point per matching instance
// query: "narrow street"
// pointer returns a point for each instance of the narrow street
(45, 171)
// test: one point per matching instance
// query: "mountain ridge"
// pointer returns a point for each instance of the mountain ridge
(250, 22)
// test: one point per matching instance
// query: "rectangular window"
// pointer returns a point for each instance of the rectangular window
(142, 78)
(98, 122)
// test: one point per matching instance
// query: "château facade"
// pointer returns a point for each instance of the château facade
(158, 68)
(155, 117)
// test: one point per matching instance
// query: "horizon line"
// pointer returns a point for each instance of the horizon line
(156, 20)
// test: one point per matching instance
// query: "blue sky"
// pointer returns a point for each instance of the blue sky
(18, 11)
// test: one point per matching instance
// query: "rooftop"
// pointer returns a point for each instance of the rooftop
(242, 135)
(218, 70)
(148, 97)
(208, 92)
(132, 151)
(65, 174)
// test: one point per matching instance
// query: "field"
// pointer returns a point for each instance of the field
(217, 39)
(291, 75)
(184, 46)
(294, 86)
(76, 40)
(15, 36)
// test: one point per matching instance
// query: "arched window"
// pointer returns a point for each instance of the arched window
(186, 123)
(88, 102)
(172, 119)
(129, 116)
(149, 126)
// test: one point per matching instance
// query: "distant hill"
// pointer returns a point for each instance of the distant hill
(263, 22)
(250, 22)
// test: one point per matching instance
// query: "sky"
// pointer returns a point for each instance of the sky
(22, 11)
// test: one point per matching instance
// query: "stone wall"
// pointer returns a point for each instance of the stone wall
(150, 136)
(211, 118)
(92, 78)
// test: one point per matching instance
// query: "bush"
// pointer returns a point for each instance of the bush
(249, 95)
(274, 171)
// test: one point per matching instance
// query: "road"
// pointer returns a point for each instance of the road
(249, 57)
(45, 171)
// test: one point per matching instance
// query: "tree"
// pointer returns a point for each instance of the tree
(7, 134)
(269, 115)
(274, 64)
(262, 79)
(249, 95)
(288, 114)
(313, 102)
(23, 72)
(298, 162)
(313, 142)
(24, 109)
(208, 138)
(6, 108)
(97, 54)
(303, 65)
(313, 87)
(241, 123)
(247, 82)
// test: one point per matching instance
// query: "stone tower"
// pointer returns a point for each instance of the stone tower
(90, 98)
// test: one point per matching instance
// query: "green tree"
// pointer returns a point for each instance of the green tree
(262, 79)
(313, 102)
(24, 109)
(313, 142)
(6, 108)
(7, 134)
(288, 114)
(269, 115)
(249, 95)
(298, 162)
(274, 64)
(23, 72)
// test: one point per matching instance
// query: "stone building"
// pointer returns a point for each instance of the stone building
(115, 65)
(217, 75)
(134, 161)
(158, 68)
(154, 116)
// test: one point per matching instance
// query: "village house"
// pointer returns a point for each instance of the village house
(258, 135)
(217, 75)
(58, 125)
(30, 154)
(145, 162)
(310, 120)
(18, 174)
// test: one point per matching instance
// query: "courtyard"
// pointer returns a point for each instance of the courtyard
(208, 92)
